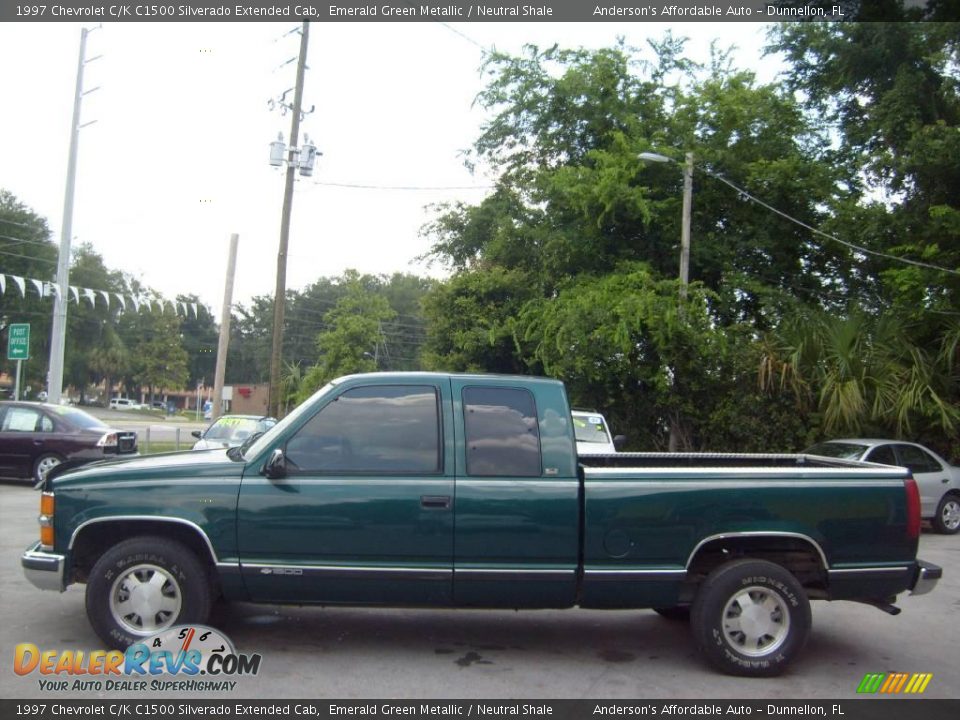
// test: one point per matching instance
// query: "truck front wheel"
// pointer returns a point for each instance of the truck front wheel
(750, 617)
(143, 586)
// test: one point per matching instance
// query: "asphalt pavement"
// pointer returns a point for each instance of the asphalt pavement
(386, 653)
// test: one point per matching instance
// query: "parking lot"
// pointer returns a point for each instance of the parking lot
(356, 653)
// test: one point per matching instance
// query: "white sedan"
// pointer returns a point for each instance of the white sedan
(937, 480)
(232, 430)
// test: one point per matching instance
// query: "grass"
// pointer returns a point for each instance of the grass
(161, 446)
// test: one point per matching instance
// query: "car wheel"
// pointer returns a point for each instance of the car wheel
(679, 613)
(143, 586)
(751, 617)
(947, 519)
(44, 464)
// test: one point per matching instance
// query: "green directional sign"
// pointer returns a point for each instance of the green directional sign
(18, 342)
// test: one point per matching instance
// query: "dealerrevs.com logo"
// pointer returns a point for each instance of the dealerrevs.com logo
(894, 683)
(185, 658)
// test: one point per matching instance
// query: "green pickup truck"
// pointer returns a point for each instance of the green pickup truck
(439, 490)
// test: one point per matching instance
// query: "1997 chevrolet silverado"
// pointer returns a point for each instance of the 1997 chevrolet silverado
(440, 490)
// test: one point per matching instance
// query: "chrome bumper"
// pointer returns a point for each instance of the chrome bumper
(43, 569)
(925, 578)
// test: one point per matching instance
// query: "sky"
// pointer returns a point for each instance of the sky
(176, 159)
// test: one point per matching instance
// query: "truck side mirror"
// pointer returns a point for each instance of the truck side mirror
(197, 434)
(619, 441)
(276, 465)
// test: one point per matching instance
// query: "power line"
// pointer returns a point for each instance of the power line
(44, 243)
(812, 229)
(28, 257)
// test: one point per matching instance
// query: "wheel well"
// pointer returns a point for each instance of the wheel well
(96, 538)
(799, 557)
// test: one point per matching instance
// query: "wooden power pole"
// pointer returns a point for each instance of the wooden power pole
(224, 340)
(274, 401)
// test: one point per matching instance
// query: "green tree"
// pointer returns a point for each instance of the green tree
(27, 252)
(200, 335)
(862, 375)
(354, 336)
(90, 327)
(889, 91)
(159, 361)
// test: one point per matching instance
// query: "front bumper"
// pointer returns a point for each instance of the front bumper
(925, 577)
(43, 569)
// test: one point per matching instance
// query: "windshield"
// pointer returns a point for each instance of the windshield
(590, 428)
(841, 451)
(233, 428)
(264, 441)
(78, 417)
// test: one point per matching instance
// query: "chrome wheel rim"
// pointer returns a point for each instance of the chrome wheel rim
(950, 516)
(145, 600)
(756, 621)
(46, 465)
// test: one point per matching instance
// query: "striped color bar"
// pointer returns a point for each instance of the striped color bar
(894, 683)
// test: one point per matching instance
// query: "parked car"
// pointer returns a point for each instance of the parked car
(938, 480)
(593, 434)
(231, 431)
(36, 437)
(119, 403)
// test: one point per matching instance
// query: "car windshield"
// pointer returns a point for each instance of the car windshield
(78, 417)
(841, 451)
(590, 429)
(232, 428)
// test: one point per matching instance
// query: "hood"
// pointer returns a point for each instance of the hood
(186, 463)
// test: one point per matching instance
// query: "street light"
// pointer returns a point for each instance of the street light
(687, 211)
(684, 249)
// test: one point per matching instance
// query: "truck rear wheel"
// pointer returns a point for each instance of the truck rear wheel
(143, 586)
(751, 617)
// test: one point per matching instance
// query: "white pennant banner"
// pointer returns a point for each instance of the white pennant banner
(76, 294)
(38, 284)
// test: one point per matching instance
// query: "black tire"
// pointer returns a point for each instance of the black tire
(43, 464)
(778, 613)
(678, 613)
(947, 519)
(184, 597)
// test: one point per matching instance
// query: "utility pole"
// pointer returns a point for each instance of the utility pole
(685, 225)
(224, 340)
(59, 331)
(280, 295)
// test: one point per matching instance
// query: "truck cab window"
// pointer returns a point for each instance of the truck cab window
(503, 438)
(371, 430)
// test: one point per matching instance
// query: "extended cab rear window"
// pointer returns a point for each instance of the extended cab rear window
(503, 437)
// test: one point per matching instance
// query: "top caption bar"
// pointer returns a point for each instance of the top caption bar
(468, 11)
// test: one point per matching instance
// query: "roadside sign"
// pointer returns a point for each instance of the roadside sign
(18, 341)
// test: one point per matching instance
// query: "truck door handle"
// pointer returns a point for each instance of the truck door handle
(435, 502)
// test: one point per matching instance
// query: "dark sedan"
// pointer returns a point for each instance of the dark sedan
(36, 437)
